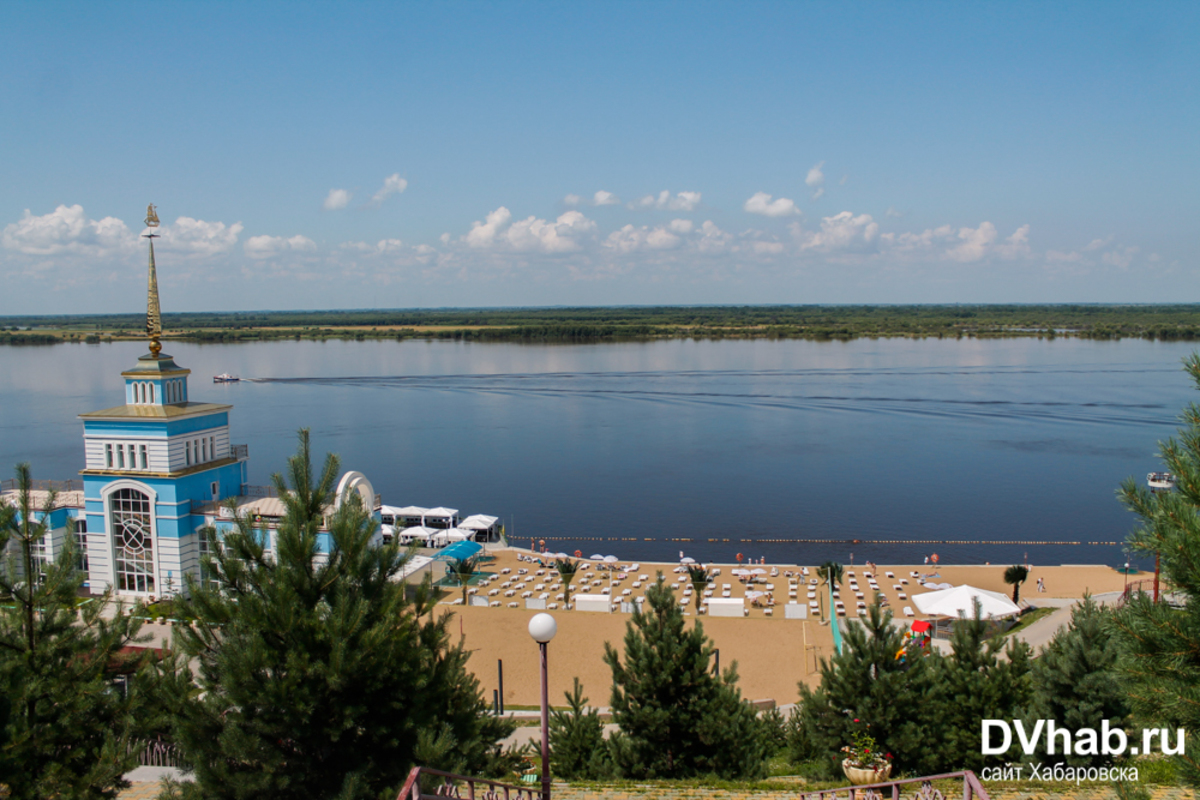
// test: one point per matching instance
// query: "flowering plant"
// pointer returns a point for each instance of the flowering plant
(864, 753)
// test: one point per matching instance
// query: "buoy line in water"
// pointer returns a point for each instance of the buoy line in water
(814, 541)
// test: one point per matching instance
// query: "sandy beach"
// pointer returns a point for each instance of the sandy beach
(770, 651)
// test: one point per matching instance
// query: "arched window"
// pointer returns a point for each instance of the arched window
(152, 393)
(133, 542)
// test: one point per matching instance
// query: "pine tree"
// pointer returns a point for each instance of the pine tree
(1075, 681)
(972, 684)
(677, 718)
(869, 682)
(1159, 662)
(464, 570)
(318, 676)
(577, 748)
(64, 730)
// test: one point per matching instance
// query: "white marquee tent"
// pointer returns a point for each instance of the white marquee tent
(960, 601)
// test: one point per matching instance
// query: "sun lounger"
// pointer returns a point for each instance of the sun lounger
(902, 596)
(526, 594)
(769, 612)
(552, 605)
(495, 604)
(506, 570)
(908, 612)
(560, 597)
(540, 587)
(514, 605)
(890, 575)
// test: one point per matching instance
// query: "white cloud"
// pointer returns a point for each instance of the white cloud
(630, 239)
(260, 247)
(532, 233)
(842, 182)
(767, 248)
(1017, 245)
(974, 243)
(337, 198)
(483, 234)
(815, 176)
(67, 230)
(712, 239)
(842, 232)
(197, 237)
(572, 200)
(392, 184)
(603, 198)
(1120, 257)
(892, 213)
(683, 201)
(819, 193)
(550, 237)
(761, 203)
(681, 226)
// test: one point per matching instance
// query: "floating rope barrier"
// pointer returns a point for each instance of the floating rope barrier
(818, 541)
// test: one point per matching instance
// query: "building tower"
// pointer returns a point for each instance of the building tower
(150, 466)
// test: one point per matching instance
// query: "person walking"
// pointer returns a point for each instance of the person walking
(1041, 584)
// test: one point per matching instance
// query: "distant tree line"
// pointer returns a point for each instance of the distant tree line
(1177, 322)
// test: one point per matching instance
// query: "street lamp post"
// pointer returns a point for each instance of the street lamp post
(542, 628)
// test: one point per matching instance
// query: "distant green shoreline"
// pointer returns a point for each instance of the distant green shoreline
(589, 324)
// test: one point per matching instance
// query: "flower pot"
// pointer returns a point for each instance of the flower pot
(860, 776)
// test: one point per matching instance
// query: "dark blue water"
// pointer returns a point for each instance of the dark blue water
(788, 450)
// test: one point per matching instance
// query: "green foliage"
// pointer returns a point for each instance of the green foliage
(1014, 576)
(923, 710)
(64, 730)
(1074, 679)
(775, 727)
(698, 577)
(464, 570)
(566, 570)
(677, 718)
(1159, 662)
(318, 676)
(577, 748)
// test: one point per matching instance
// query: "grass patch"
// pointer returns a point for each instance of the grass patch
(1029, 619)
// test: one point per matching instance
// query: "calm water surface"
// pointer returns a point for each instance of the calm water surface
(761, 447)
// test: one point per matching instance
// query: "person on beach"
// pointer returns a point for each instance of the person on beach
(1041, 584)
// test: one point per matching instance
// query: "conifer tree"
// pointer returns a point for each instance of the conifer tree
(972, 684)
(318, 676)
(64, 730)
(577, 748)
(677, 718)
(1075, 681)
(1159, 663)
(868, 683)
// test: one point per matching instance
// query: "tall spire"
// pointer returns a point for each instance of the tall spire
(153, 313)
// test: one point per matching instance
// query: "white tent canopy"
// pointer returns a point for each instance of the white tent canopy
(478, 522)
(417, 532)
(960, 601)
(403, 511)
(441, 512)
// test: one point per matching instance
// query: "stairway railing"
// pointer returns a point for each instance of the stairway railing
(906, 789)
(447, 784)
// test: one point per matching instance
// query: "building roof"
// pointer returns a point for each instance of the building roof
(459, 550)
(478, 522)
(173, 411)
(403, 511)
(440, 511)
(38, 497)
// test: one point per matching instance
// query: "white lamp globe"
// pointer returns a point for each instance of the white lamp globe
(542, 628)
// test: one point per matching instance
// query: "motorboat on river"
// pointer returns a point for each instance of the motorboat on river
(1160, 481)
(225, 377)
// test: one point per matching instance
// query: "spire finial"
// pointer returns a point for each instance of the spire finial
(153, 314)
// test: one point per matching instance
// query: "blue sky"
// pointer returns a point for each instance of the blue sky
(460, 154)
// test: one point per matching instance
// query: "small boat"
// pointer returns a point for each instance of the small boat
(1160, 481)
(225, 377)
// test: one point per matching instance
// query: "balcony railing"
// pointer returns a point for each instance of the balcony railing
(258, 491)
(431, 784)
(10, 485)
(239, 451)
(963, 784)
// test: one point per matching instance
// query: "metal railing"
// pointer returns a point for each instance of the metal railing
(907, 789)
(10, 485)
(258, 491)
(239, 451)
(159, 753)
(438, 784)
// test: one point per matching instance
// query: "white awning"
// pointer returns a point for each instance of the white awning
(406, 511)
(458, 535)
(440, 511)
(417, 532)
(478, 522)
(960, 601)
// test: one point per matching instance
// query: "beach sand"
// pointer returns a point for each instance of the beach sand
(769, 651)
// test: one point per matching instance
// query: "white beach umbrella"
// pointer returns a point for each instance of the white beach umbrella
(758, 571)
(560, 555)
(611, 559)
(688, 560)
(754, 595)
(596, 557)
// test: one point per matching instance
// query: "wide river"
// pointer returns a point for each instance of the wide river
(798, 451)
